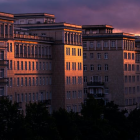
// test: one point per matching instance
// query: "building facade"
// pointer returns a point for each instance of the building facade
(110, 68)
(44, 61)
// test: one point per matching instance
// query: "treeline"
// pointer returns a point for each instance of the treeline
(96, 122)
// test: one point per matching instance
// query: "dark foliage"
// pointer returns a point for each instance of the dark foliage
(96, 121)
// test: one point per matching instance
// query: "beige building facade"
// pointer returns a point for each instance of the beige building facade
(44, 61)
(110, 68)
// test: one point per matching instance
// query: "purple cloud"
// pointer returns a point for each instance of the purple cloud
(122, 14)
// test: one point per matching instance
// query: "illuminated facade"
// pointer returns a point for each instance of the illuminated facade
(44, 61)
(111, 71)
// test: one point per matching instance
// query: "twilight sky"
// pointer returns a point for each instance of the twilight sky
(122, 14)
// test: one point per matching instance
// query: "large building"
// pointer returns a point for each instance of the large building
(111, 71)
(41, 61)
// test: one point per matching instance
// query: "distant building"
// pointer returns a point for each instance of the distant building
(111, 71)
(44, 61)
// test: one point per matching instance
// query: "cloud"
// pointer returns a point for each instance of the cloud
(122, 14)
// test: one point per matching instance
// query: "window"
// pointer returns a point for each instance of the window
(74, 51)
(51, 80)
(73, 65)
(36, 81)
(84, 55)
(32, 65)
(84, 44)
(10, 64)
(133, 56)
(50, 66)
(21, 65)
(10, 47)
(129, 55)
(46, 65)
(125, 55)
(85, 90)
(25, 81)
(129, 67)
(21, 81)
(25, 65)
(133, 67)
(74, 80)
(85, 79)
(29, 65)
(40, 80)
(18, 81)
(106, 66)
(17, 65)
(28, 50)
(99, 66)
(33, 97)
(67, 51)
(29, 81)
(47, 81)
(43, 80)
(43, 65)
(79, 52)
(129, 90)
(129, 79)
(85, 67)
(91, 45)
(137, 67)
(11, 82)
(98, 55)
(133, 78)
(112, 43)
(91, 67)
(91, 55)
(36, 96)
(79, 66)
(105, 44)
(36, 65)
(125, 67)
(29, 97)
(67, 65)
(98, 44)
(106, 78)
(134, 90)
(125, 79)
(39, 65)
(105, 55)
(22, 97)
(126, 90)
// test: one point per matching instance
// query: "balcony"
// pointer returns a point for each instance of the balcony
(95, 84)
(3, 81)
(97, 95)
(46, 102)
(3, 63)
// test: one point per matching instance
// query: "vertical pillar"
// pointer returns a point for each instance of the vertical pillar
(102, 44)
(8, 30)
(109, 44)
(3, 30)
(116, 45)
(95, 44)
(122, 44)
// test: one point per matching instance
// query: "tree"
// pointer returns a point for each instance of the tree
(39, 123)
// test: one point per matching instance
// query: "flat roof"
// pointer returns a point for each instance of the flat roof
(31, 15)
(97, 26)
(50, 26)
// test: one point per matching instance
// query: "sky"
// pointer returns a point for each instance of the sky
(123, 15)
